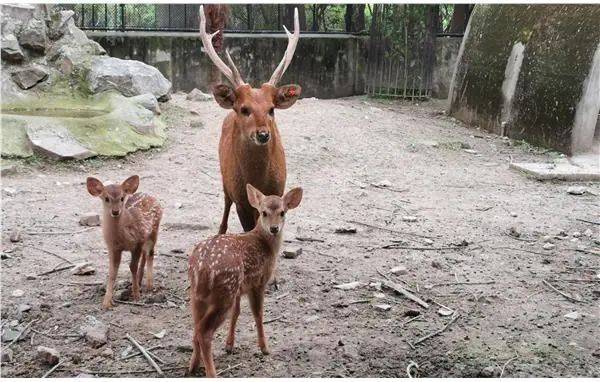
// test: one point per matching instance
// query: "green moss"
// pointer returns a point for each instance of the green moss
(14, 138)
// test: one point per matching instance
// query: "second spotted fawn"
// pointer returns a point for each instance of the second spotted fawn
(130, 223)
(225, 267)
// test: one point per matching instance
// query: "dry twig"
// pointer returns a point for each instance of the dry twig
(20, 334)
(146, 355)
(398, 289)
(565, 295)
(52, 370)
(430, 335)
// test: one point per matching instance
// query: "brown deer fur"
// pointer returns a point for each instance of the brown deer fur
(130, 222)
(243, 157)
(225, 267)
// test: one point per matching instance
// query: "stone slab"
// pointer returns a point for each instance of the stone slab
(564, 170)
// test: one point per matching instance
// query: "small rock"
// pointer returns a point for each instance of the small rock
(514, 232)
(431, 143)
(126, 352)
(588, 232)
(84, 269)
(177, 250)
(17, 293)
(7, 355)
(383, 307)
(573, 315)
(375, 285)
(84, 375)
(10, 169)
(436, 264)
(184, 348)
(195, 124)
(412, 313)
(427, 241)
(548, 246)
(178, 205)
(465, 145)
(488, 372)
(9, 334)
(95, 331)
(576, 190)
(379, 295)
(547, 239)
(23, 308)
(311, 318)
(48, 355)
(348, 286)
(445, 312)
(383, 183)
(90, 219)
(160, 334)
(15, 236)
(108, 352)
(345, 230)
(5, 256)
(469, 151)
(147, 101)
(576, 234)
(513, 214)
(9, 191)
(292, 253)
(31, 276)
(409, 219)
(198, 96)
(11, 51)
(399, 270)
(156, 298)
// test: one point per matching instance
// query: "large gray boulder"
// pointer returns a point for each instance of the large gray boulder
(59, 24)
(130, 78)
(56, 141)
(11, 51)
(33, 36)
(27, 77)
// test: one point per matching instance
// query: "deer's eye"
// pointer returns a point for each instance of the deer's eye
(122, 198)
(245, 111)
(272, 111)
(264, 213)
(282, 213)
(106, 199)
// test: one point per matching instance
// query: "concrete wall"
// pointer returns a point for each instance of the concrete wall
(446, 53)
(326, 66)
(525, 71)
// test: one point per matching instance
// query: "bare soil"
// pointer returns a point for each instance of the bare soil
(358, 160)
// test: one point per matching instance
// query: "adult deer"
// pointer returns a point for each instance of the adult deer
(250, 149)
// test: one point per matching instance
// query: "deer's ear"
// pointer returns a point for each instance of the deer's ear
(224, 95)
(254, 196)
(286, 96)
(131, 184)
(94, 186)
(292, 198)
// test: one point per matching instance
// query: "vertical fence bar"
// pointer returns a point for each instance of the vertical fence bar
(122, 16)
(185, 16)
(83, 15)
(105, 16)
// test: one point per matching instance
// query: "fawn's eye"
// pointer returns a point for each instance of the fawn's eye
(271, 111)
(106, 199)
(282, 213)
(122, 198)
(264, 213)
(245, 111)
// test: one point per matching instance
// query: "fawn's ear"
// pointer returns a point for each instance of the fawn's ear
(286, 96)
(292, 198)
(130, 185)
(254, 196)
(94, 186)
(224, 95)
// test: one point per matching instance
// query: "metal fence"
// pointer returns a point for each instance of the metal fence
(184, 17)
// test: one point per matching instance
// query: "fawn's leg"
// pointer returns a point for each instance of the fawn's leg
(149, 269)
(113, 269)
(140, 272)
(133, 267)
(198, 312)
(234, 316)
(256, 298)
(223, 227)
(209, 324)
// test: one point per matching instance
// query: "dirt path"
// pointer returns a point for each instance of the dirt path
(336, 150)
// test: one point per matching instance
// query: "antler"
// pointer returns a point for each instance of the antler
(289, 52)
(232, 74)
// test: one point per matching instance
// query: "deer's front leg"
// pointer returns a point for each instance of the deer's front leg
(113, 270)
(256, 298)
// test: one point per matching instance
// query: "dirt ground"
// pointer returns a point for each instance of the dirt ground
(361, 162)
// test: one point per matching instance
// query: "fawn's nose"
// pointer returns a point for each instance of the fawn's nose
(262, 136)
(115, 213)
(274, 229)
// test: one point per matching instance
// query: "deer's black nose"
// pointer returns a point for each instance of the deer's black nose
(274, 229)
(262, 136)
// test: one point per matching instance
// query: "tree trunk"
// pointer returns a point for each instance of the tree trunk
(431, 25)
(359, 21)
(216, 20)
(348, 17)
(288, 16)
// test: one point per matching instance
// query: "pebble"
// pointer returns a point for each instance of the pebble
(547, 239)
(17, 293)
(469, 151)
(576, 234)
(95, 332)
(311, 318)
(84, 375)
(513, 214)
(8, 170)
(24, 308)
(348, 286)
(7, 355)
(90, 219)
(15, 236)
(576, 190)
(292, 253)
(31, 276)
(399, 270)
(9, 191)
(178, 205)
(589, 233)
(83, 269)
(48, 355)
(379, 295)
(427, 241)
(108, 352)
(436, 264)
(488, 371)
(345, 230)
(409, 219)
(572, 315)
(549, 246)
(383, 307)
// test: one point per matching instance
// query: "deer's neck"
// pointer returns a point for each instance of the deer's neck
(255, 160)
(113, 226)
